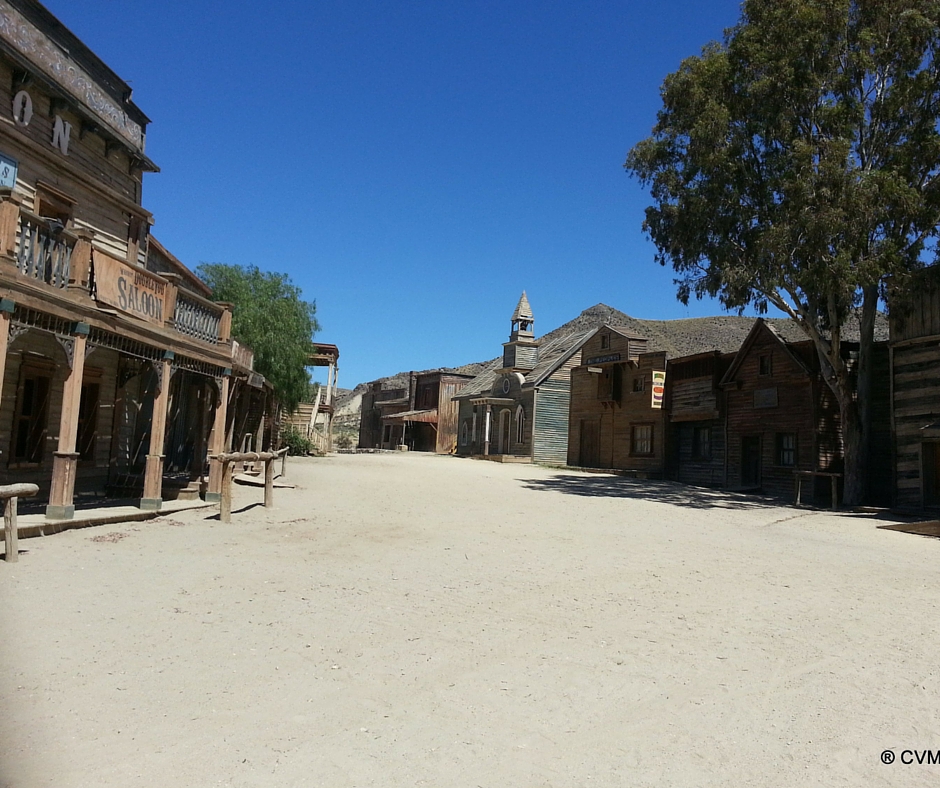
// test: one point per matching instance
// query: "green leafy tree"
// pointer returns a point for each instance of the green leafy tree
(795, 165)
(271, 318)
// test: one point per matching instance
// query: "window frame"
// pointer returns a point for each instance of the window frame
(780, 450)
(701, 450)
(635, 440)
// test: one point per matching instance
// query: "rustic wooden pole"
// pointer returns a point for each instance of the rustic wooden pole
(10, 531)
(65, 459)
(217, 443)
(835, 492)
(284, 463)
(269, 483)
(225, 505)
(10, 493)
(153, 470)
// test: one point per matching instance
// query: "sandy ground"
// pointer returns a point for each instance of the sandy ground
(430, 621)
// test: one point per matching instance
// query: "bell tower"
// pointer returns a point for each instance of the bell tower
(521, 352)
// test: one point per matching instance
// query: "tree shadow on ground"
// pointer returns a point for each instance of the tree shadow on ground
(603, 486)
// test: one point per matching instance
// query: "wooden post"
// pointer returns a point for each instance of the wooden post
(6, 315)
(65, 459)
(269, 483)
(217, 444)
(225, 503)
(153, 473)
(80, 262)
(10, 495)
(10, 531)
(9, 221)
(835, 492)
(284, 464)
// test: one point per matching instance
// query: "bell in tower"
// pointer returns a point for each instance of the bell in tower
(521, 352)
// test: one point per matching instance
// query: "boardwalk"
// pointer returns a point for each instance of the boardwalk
(432, 621)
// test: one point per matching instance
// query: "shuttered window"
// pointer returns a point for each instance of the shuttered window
(641, 439)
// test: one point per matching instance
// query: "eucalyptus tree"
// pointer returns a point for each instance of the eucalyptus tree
(795, 165)
(270, 316)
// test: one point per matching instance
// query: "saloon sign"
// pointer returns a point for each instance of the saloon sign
(659, 389)
(130, 289)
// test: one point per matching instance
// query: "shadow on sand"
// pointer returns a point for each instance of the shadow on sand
(604, 486)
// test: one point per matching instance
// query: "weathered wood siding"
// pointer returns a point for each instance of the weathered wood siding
(786, 401)
(614, 420)
(552, 403)
(447, 413)
(701, 471)
(916, 384)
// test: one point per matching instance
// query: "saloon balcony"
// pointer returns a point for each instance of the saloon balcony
(57, 274)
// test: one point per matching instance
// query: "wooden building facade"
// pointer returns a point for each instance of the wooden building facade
(422, 417)
(114, 363)
(696, 419)
(915, 391)
(616, 418)
(517, 408)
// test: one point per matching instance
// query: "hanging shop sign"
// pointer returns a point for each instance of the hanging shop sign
(659, 388)
(132, 290)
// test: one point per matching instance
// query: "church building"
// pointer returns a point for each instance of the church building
(516, 410)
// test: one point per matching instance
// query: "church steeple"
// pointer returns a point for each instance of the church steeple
(522, 320)
(520, 352)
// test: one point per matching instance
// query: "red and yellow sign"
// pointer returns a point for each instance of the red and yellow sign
(131, 289)
(659, 388)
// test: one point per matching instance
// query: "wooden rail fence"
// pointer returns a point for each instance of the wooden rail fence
(10, 494)
(267, 457)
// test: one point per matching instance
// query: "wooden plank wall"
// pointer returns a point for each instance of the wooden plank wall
(702, 472)
(447, 414)
(795, 412)
(550, 443)
(916, 370)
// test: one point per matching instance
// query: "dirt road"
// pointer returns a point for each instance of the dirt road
(431, 621)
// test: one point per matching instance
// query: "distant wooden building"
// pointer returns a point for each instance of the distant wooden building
(782, 417)
(422, 417)
(616, 418)
(915, 391)
(517, 408)
(696, 418)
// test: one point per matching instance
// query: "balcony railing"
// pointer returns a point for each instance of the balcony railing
(196, 317)
(44, 250)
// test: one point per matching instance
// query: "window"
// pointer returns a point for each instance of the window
(605, 341)
(88, 421)
(29, 420)
(520, 425)
(639, 383)
(464, 432)
(786, 449)
(765, 365)
(641, 439)
(701, 443)
(610, 383)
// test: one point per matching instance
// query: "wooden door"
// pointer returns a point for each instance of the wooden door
(750, 461)
(590, 455)
(930, 453)
(504, 425)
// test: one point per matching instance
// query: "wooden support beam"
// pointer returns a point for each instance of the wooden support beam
(65, 459)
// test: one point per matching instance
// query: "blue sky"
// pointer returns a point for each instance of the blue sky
(413, 166)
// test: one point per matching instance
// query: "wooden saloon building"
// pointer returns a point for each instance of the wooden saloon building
(115, 365)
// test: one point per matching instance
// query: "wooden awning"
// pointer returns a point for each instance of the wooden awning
(424, 416)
